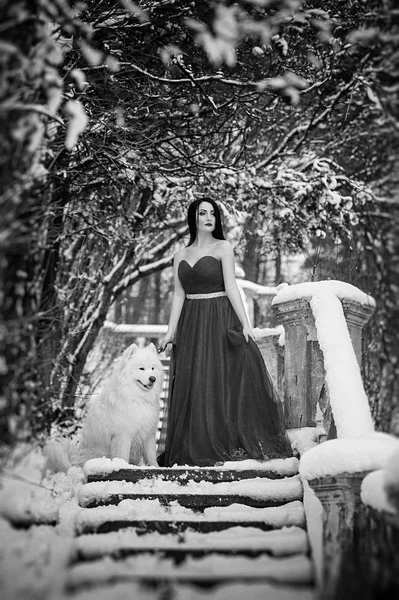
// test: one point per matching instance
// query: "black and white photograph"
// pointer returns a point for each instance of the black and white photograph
(199, 291)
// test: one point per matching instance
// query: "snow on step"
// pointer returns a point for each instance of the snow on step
(150, 511)
(234, 591)
(211, 568)
(259, 489)
(98, 469)
(279, 542)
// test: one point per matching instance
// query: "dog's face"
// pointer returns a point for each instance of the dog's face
(145, 366)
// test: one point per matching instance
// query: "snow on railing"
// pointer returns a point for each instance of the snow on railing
(358, 447)
(348, 399)
(349, 402)
(323, 324)
(307, 290)
(147, 330)
(267, 332)
(251, 293)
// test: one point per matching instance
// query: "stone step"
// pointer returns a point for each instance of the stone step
(209, 570)
(248, 541)
(104, 469)
(258, 492)
(151, 515)
(196, 502)
(184, 591)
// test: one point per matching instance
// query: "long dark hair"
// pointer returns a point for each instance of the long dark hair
(192, 219)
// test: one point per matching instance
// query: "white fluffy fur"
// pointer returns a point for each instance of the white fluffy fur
(122, 421)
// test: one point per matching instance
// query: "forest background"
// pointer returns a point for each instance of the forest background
(114, 115)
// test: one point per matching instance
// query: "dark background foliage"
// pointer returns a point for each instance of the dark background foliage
(114, 115)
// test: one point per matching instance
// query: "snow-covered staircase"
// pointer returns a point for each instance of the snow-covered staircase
(237, 530)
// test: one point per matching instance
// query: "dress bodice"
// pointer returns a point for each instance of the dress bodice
(204, 277)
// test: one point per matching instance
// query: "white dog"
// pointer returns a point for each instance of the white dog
(122, 422)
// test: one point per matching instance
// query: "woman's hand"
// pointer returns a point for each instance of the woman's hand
(248, 333)
(167, 339)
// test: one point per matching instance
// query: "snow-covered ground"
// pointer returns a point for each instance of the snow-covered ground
(290, 514)
(123, 591)
(33, 560)
(284, 467)
(280, 542)
(258, 488)
(293, 570)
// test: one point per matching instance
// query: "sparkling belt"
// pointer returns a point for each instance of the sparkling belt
(205, 296)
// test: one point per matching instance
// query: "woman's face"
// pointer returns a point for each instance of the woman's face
(206, 219)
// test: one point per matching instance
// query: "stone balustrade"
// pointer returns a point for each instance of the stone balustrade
(305, 388)
(360, 543)
(340, 499)
(304, 372)
(273, 355)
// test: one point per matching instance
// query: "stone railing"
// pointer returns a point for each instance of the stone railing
(359, 531)
(271, 345)
(339, 496)
(316, 376)
(254, 294)
(304, 371)
(359, 545)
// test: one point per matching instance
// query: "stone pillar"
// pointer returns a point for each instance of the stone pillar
(304, 375)
(273, 355)
(303, 363)
(340, 498)
(356, 315)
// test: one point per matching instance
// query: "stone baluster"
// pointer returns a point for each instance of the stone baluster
(356, 315)
(340, 498)
(304, 374)
(273, 355)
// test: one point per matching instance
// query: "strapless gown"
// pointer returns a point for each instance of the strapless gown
(222, 404)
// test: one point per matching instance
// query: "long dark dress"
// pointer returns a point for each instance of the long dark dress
(222, 404)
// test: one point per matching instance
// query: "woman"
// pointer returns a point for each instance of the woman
(222, 404)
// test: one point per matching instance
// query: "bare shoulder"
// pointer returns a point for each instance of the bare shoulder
(179, 255)
(224, 248)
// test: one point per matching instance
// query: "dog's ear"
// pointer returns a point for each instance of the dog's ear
(152, 348)
(130, 350)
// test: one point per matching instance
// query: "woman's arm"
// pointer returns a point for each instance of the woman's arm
(231, 287)
(177, 305)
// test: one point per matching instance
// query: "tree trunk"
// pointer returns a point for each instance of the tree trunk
(50, 326)
(156, 294)
(250, 264)
(279, 275)
(138, 312)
